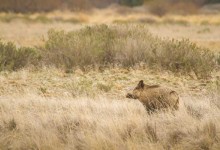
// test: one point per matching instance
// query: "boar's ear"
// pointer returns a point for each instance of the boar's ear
(141, 84)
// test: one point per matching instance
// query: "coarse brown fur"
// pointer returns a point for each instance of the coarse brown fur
(155, 97)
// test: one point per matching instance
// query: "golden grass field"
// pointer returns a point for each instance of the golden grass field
(48, 108)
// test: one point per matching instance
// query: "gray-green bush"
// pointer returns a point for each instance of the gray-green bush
(126, 46)
(12, 58)
(89, 46)
(106, 46)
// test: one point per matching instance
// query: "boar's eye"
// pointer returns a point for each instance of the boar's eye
(132, 96)
(129, 95)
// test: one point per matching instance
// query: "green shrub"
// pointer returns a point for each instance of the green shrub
(12, 58)
(105, 46)
(185, 57)
(92, 45)
(126, 46)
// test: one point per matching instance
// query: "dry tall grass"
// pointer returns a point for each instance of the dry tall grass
(51, 109)
(35, 122)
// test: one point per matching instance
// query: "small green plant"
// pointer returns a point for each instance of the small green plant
(43, 19)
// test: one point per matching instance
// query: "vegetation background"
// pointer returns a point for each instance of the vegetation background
(49, 5)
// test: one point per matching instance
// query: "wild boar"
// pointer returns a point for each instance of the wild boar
(155, 97)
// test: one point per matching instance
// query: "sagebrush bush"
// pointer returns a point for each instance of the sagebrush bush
(186, 57)
(89, 46)
(126, 46)
(12, 58)
(105, 46)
